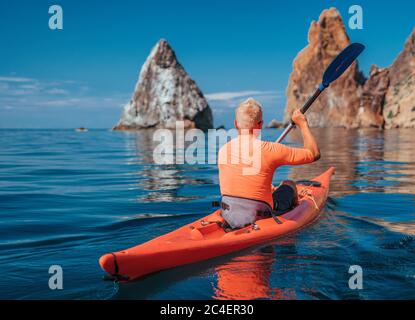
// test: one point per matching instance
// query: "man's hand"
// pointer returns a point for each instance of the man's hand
(299, 119)
(309, 142)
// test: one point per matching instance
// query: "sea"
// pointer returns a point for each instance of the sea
(68, 197)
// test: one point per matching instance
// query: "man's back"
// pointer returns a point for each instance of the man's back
(249, 174)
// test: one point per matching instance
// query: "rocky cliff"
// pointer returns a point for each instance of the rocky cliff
(338, 105)
(386, 98)
(372, 99)
(399, 108)
(165, 94)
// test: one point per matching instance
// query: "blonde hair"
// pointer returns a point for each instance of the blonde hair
(248, 114)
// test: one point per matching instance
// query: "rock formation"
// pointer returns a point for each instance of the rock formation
(338, 105)
(372, 98)
(399, 108)
(386, 98)
(275, 124)
(165, 94)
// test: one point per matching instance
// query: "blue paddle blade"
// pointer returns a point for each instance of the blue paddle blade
(343, 60)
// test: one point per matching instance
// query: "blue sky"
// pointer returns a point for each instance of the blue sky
(83, 74)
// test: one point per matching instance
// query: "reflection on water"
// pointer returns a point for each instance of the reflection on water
(366, 160)
(407, 227)
(246, 277)
(161, 182)
(249, 277)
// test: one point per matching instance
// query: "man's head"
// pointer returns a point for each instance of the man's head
(248, 115)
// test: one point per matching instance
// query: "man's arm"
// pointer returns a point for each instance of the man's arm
(309, 142)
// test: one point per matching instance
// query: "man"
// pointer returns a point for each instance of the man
(247, 197)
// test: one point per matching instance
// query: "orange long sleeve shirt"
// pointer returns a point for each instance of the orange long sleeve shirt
(247, 165)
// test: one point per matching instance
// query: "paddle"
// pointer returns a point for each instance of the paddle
(335, 69)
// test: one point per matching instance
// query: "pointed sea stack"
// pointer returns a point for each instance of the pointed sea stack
(165, 94)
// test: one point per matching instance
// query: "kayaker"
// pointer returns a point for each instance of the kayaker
(247, 197)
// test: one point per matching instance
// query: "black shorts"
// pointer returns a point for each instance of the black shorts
(284, 199)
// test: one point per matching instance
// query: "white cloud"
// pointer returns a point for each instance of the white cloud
(231, 99)
(22, 92)
(230, 95)
(15, 79)
(57, 91)
(58, 102)
(83, 102)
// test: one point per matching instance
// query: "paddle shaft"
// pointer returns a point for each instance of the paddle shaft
(303, 110)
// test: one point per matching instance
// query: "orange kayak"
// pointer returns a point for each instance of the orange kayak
(205, 238)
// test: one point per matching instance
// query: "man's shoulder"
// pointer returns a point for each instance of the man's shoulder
(270, 145)
(225, 148)
(265, 145)
(229, 143)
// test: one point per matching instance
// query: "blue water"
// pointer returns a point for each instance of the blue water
(66, 198)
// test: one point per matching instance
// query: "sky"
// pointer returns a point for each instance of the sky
(84, 74)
